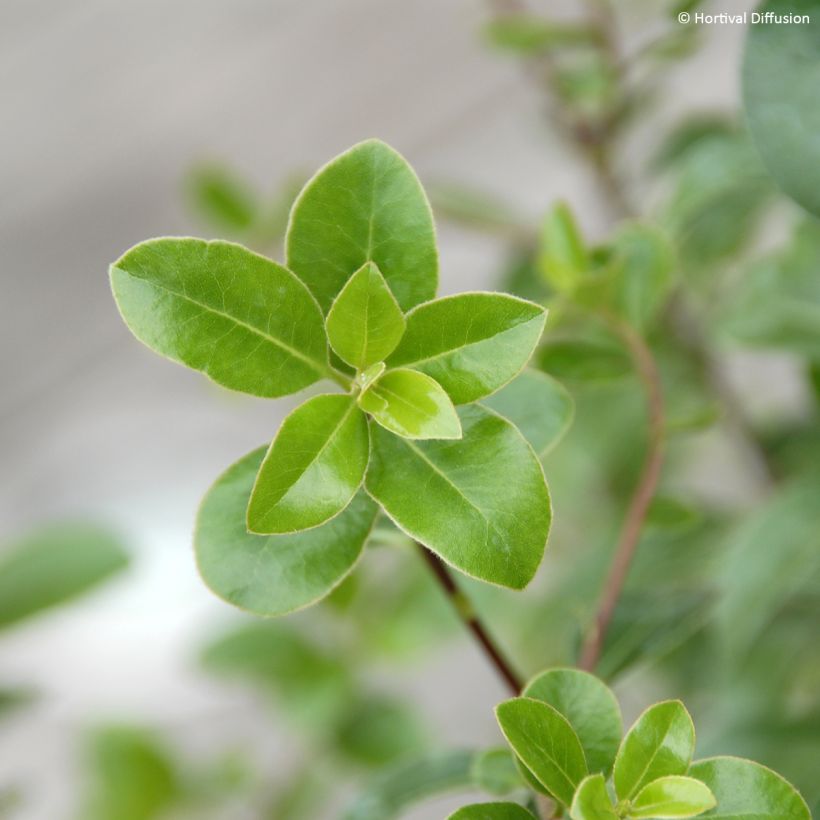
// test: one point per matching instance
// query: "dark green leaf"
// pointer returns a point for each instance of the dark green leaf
(273, 574)
(313, 467)
(583, 360)
(366, 205)
(472, 343)
(492, 811)
(481, 503)
(241, 319)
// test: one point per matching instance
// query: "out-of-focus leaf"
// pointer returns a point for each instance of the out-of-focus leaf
(13, 699)
(223, 200)
(473, 208)
(781, 95)
(300, 798)
(538, 405)
(412, 782)
(526, 34)
(379, 730)
(313, 683)
(53, 565)
(564, 257)
(492, 811)
(132, 777)
(771, 555)
(668, 513)
(689, 133)
(583, 359)
(495, 772)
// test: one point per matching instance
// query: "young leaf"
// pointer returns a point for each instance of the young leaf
(660, 743)
(540, 407)
(495, 772)
(492, 811)
(273, 574)
(564, 257)
(313, 467)
(781, 94)
(412, 405)
(671, 797)
(472, 343)
(366, 205)
(748, 791)
(481, 503)
(590, 708)
(592, 801)
(222, 198)
(54, 564)
(241, 319)
(546, 744)
(365, 322)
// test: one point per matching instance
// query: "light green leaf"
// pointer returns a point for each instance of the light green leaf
(590, 708)
(273, 574)
(221, 198)
(241, 319)
(592, 801)
(564, 258)
(527, 34)
(365, 322)
(472, 343)
(492, 811)
(313, 467)
(494, 771)
(410, 783)
(546, 744)
(366, 205)
(671, 797)
(481, 503)
(55, 564)
(781, 94)
(538, 405)
(412, 405)
(660, 743)
(748, 791)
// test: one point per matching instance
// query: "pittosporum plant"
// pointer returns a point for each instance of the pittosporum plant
(420, 424)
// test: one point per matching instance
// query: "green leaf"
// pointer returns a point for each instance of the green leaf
(313, 467)
(472, 343)
(546, 744)
(221, 198)
(527, 34)
(55, 564)
(412, 405)
(538, 405)
(481, 503)
(241, 319)
(748, 791)
(564, 258)
(671, 797)
(592, 801)
(410, 783)
(590, 708)
(583, 360)
(273, 574)
(781, 94)
(495, 772)
(492, 811)
(365, 323)
(366, 205)
(660, 743)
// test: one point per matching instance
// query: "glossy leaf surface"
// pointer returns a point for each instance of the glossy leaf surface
(748, 791)
(481, 503)
(412, 405)
(589, 706)
(492, 811)
(781, 94)
(670, 797)
(546, 744)
(365, 322)
(366, 205)
(239, 318)
(660, 743)
(273, 574)
(313, 467)
(592, 801)
(538, 405)
(472, 344)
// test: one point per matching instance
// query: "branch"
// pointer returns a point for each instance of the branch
(647, 370)
(471, 621)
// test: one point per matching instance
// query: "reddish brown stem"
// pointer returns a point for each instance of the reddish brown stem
(647, 371)
(471, 621)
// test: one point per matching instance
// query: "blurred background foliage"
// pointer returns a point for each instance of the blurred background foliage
(704, 259)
